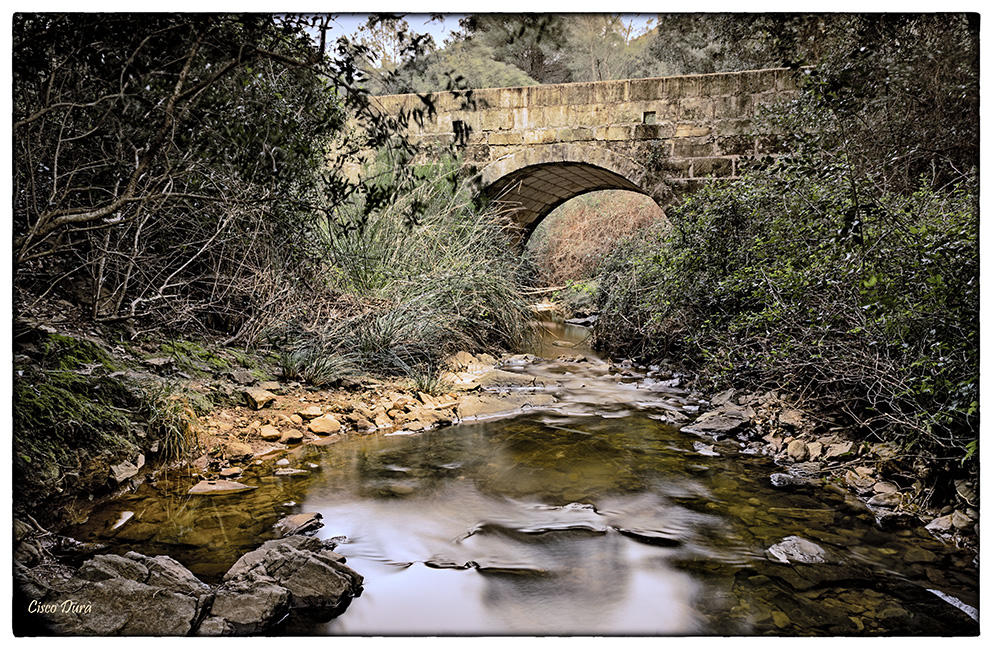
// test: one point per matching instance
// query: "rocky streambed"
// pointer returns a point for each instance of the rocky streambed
(283, 439)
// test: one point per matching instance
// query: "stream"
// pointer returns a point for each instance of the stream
(595, 516)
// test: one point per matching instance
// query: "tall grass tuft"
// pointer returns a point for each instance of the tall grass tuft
(429, 273)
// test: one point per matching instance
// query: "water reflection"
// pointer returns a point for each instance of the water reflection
(591, 517)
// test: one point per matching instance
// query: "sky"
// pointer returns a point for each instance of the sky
(347, 24)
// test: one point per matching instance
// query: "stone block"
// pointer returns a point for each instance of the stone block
(495, 120)
(611, 92)
(512, 97)
(504, 138)
(684, 149)
(675, 168)
(716, 85)
(735, 145)
(787, 80)
(577, 94)
(728, 127)
(718, 167)
(613, 133)
(544, 95)
(576, 134)
(692, 130)
(683, 86)
(735, 106)
(540, 136)
(648, 89)
(592, 116)
(526, 117)
(758, 81)
(653, 131)
(556, 116)
(696, 109)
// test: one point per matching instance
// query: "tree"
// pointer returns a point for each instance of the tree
(169, 165)
(531, 42)
(600, 47)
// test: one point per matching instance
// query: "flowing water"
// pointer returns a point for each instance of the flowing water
(595, 516)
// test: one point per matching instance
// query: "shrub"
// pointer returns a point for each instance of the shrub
(782, 281)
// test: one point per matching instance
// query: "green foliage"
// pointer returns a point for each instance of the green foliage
(463, 64)
(428, 274)
(765, 283)
(846, 271)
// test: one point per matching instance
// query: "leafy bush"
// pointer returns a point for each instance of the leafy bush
(768, 283)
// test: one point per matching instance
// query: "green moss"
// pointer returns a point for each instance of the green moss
(194, 358)
(61, 418)
(60, 352)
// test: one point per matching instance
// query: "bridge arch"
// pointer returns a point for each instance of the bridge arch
(530, 183)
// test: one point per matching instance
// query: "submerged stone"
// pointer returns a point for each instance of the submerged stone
(795, 548)
(215, 487)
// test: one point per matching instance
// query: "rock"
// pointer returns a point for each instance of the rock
(587, 321)
(288, 472)
(463, 362)
(725, 419)
(247, 608)
(236, 451)
(217, 487)
(837, 450)
(282, 462)
(797, 549)
(159, 363)
(941, 524)
(123, 471)
(474, 407)
(271, 386)
(723, 398)
(774, 441)
(306, 523)
(258, 398)
(785, 480)
(309, 570)
(961, 521)
(291, 436)
(815, 450)
(310, 412)
(883, 487)
(885, 500)
(859, 481)
(270, 433)
(791, 418)
(231, 472)
(113, 595)
(966, 491)
(241, 376)
(797, 450)
(501, 378)
(296, 419)
(324, 425)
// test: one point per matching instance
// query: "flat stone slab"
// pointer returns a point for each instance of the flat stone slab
(215, 487)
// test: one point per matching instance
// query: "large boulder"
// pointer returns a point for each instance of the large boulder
(723, 420)
(129, 595)
(315, 576)
(156, 596)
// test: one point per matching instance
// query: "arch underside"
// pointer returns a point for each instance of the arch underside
(530, 193)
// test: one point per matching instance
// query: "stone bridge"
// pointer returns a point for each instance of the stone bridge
(533, 148)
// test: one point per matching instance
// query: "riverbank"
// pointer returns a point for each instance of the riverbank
(267, 427)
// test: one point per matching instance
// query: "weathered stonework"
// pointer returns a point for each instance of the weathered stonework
(533, 148)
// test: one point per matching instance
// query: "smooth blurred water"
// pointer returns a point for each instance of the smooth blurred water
(592, 517)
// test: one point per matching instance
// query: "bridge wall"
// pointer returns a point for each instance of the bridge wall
(671, 133)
